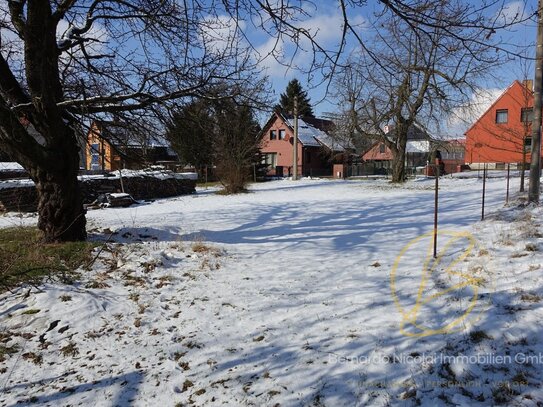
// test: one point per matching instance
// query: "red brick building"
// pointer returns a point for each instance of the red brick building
(502, 134)
(317, 150)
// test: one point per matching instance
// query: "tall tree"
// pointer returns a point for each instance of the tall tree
(220, 132)
(286, 102)
(535, 162)
(191, 134)
(236, 144)
(64, 60)
(417, 79)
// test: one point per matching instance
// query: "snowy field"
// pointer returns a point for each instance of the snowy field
(291, 295)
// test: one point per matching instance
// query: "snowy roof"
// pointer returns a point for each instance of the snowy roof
(10, 166)
(121, 136)
(414, 132)
(310, 135)
(418, 146)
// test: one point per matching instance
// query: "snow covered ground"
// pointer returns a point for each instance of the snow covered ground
(291, 295)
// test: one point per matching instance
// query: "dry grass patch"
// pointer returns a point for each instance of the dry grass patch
(24, 258)
(70, 350)
(200, 247)
(529, 297)
(5, 351)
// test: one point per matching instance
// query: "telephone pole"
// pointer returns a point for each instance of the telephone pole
(535, 163)
(295, 142)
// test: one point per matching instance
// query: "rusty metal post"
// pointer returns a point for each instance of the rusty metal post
(507, 193)
(436, 206)
(484, 191)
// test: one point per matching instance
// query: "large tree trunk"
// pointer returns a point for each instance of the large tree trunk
(398, 153)
(398, 166)
(60, 206)
(60, 209)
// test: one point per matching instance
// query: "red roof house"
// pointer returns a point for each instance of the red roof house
(502, 134)
(317, 150)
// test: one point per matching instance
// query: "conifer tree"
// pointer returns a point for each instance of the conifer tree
(286, 103)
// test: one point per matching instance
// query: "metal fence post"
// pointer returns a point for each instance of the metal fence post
(507, 193)
(436, 206)
(484, 191)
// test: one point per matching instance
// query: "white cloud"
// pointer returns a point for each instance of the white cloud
(218, 33)
(513, 12)
(97, 34)
(326, 29)
(268, 56)
(460, 119)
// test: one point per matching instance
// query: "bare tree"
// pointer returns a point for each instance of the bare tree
(410, 76)
(64, 60)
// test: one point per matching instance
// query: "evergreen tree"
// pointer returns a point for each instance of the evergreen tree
(286, 103)
(191, 134)
(236, 145)
(219, 132)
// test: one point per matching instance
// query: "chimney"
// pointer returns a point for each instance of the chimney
(528, 84)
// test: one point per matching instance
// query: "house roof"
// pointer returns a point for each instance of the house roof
(415, 132)
(121, 136)
(312, 131)
(505, 92)
(418, 140)
(417, 146)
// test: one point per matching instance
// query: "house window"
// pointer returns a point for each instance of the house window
(527, 115)
(502, 115)
(382, 148)
(273, 134)
(282, 134)
(95, 156)
(528, 144)
(269, 159)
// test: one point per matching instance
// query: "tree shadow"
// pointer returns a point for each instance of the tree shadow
(129, 386)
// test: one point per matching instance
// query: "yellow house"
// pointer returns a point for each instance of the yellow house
(100, 153)
(110, 147)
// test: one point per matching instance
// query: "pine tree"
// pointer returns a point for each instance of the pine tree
(191, 134)
(286, 103)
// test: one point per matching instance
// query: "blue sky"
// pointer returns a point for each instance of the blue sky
(325, 20)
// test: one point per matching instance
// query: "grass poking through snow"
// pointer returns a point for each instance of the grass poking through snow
(25, 259)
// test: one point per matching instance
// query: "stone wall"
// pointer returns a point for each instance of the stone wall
(18, 198)
(140, 187)
(23, 198)
(13, 174)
